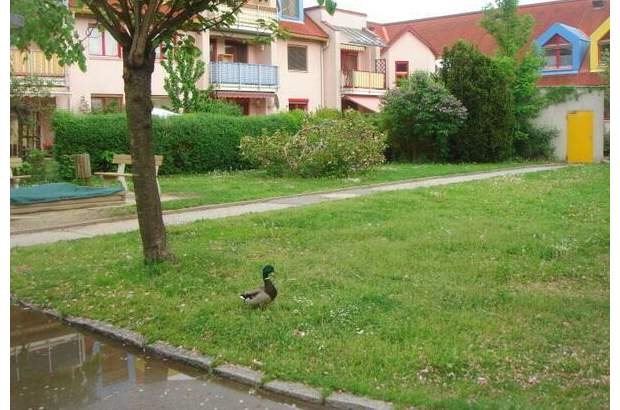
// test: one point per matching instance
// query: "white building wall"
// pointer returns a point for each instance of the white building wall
(555, 117)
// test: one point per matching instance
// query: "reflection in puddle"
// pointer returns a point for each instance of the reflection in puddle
(54, 366)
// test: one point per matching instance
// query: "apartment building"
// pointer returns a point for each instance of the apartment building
(353, 60)
(337, 61)
(573, 35)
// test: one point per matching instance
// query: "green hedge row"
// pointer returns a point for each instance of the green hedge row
(190, 143)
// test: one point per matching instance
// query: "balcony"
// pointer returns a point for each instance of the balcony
(243, 77)
(363, 82)
(35, 63)
(249, 16)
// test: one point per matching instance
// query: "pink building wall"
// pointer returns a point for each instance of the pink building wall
(321, 84)
(408, 48)
(104, 75)
(301, 84)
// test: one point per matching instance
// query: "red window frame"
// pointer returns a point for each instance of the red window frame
(298, 104)
(401, 73)
(557, 44)
(103, 49)
(161, 55)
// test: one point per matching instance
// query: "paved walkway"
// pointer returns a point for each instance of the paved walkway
(223, 211)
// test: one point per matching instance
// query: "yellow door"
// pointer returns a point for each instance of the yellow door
(580, 130)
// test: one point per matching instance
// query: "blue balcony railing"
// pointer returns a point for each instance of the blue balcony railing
(240, 75)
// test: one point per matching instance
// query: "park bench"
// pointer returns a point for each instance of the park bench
(121, 160)
(16, 162)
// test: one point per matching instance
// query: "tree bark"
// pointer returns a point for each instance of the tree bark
(140, 127)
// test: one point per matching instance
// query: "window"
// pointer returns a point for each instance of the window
(101, 43)
(603, 47)
(159, 52)
(558, 54)
(297, 58)
(238, 51)
(106, 103)
(348, 61)
(402, 69)
(291, 9)
(298, 104)
(606, 110)
(212, 49)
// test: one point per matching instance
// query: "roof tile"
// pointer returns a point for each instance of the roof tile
(306, 29)
(444, 31)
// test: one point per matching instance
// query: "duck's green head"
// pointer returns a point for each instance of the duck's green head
(267, 271)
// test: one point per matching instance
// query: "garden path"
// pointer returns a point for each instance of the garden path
(272, 204)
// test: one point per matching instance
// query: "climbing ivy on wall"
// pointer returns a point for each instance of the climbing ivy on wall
(562, 94)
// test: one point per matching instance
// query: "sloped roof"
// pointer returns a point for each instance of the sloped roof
(444, 31)
(583, 79)
(578, 40)
(567, 32)
(360, 37)
(306, 29)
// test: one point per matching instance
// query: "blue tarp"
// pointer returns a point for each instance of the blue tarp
(58, 192)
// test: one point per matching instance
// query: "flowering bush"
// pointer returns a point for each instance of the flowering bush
(330, 148)
(420, 116)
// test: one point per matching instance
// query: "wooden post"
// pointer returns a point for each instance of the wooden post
(82, 166)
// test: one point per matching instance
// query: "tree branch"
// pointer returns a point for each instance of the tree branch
(138, 50)
(168, 26)
(105, 15)
(126, 15)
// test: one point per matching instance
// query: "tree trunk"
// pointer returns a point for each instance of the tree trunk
(140, 128)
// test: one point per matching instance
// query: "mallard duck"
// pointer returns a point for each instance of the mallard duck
(261, 297)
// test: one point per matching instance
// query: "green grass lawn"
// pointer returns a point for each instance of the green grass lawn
(489, 294)
(222, 187)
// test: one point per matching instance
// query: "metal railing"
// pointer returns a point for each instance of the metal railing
(34, 62)
(363, 79)
(243, 75)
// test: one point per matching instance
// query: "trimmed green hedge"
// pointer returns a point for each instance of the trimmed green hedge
(190, 143)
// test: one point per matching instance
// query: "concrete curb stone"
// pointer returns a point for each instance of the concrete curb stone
(296, 390)
(240, 374)
(189, 357)
(49, 312)
(349, 402)
(106, 329)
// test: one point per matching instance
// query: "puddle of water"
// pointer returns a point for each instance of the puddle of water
(55, 366)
